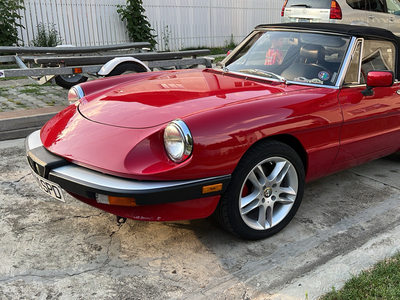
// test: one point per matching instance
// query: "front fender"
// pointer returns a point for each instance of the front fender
(109, 66)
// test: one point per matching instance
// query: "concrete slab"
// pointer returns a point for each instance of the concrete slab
(51, 250)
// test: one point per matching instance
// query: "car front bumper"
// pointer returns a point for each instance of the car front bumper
(90, 184)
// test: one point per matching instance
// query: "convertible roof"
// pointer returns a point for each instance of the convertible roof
(359, 31)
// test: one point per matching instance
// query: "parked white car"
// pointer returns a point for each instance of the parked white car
(378, 13)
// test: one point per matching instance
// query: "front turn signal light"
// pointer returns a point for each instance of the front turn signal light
(112, 200)
(212, 188)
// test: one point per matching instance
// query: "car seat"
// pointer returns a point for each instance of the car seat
(312, 54)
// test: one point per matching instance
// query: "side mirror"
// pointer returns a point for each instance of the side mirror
(378, 79)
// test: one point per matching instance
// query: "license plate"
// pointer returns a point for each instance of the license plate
(300, 20)
(50, 188)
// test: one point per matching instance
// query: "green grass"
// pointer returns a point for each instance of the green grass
(50, 103)
(218, 59)
(380, 282)
(31, 90)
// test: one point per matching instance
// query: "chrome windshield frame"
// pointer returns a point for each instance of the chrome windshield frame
(342, 69)
(347, 60)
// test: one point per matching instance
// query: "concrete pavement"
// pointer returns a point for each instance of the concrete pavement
(346, 223)
(51, 250)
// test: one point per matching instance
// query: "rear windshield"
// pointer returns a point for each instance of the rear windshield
(310, 3)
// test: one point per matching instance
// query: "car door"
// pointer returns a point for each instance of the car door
(393, 7)
(376, 14)
(371, 124)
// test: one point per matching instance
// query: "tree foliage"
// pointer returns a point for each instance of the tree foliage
(138, 28)
(9, 21)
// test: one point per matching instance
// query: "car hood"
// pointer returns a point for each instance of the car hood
(161, 98)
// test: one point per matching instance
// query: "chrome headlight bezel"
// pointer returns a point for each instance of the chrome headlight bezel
(178, 141)
(75, 94)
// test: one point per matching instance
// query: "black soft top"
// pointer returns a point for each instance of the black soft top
(359, 31)
(353, 30)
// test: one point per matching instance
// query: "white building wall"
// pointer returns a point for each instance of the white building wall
(177, 23)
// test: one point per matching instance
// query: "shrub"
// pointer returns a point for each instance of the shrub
(138, 28)
(9, 21)
(47, 36)
(231, 44)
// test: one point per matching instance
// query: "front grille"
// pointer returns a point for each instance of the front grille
(42, 161)
(37, 168)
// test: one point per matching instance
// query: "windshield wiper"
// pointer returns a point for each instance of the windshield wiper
(264, 74)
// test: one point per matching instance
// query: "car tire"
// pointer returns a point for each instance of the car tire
(264, 193)
(68, 81)
(126, 68)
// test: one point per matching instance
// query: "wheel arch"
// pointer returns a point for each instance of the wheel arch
(247, 206)
(292, 142)
(112, 64)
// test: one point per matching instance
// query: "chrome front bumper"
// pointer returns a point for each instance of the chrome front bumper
(88, 183)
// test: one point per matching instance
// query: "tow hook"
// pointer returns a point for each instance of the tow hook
(121, 220)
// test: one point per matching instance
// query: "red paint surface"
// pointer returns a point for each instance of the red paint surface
(185, 210)
(118, 130)
(225, 114)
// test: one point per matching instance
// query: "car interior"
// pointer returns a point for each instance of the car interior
(307, 57)
(313, 58)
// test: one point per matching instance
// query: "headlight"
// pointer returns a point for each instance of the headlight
(178, 141)
(75, 93)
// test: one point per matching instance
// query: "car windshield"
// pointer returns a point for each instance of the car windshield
(294, 56)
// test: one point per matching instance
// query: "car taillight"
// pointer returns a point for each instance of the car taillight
(336, 11)
(283, 8)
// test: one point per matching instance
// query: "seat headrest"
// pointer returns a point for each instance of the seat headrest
(311, 51)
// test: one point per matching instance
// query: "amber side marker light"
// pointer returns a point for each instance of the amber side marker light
(77, 70)
(212, 188)
(112, 200)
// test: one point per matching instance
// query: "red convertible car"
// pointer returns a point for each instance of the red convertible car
(292, 103)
